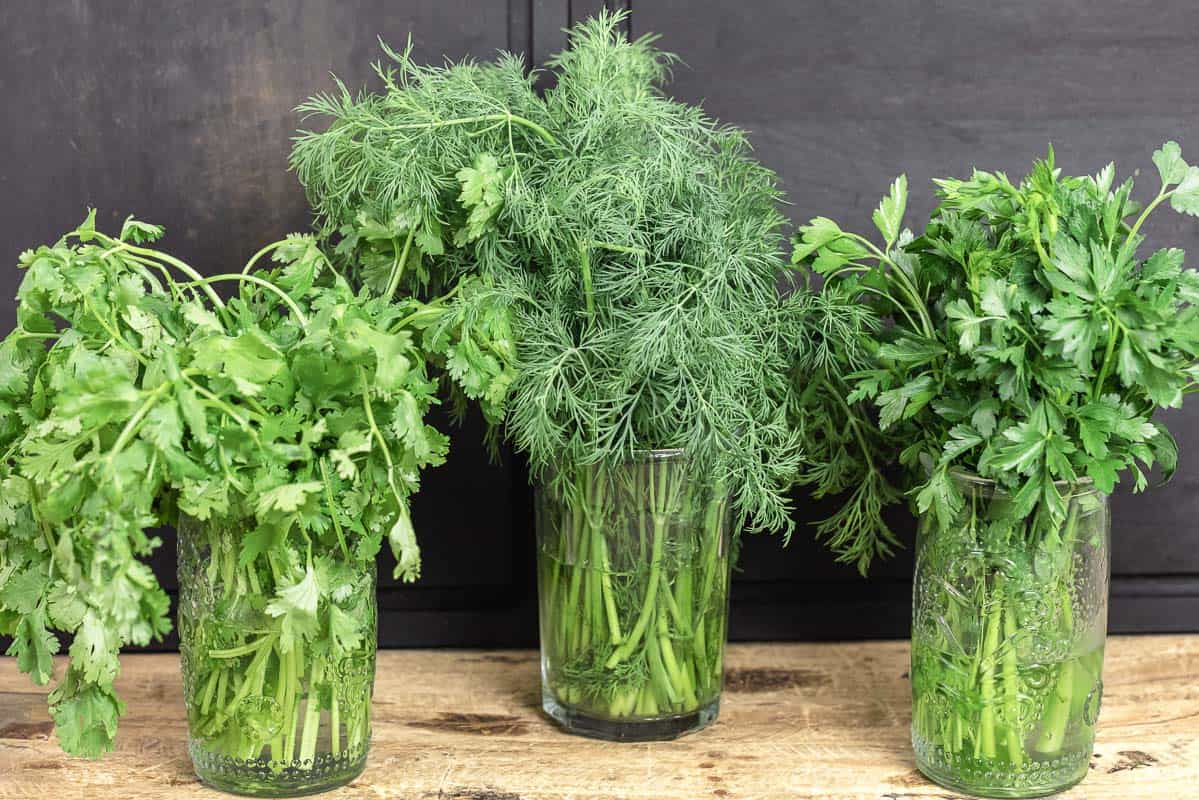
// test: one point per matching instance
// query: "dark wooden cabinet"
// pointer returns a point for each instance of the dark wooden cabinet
(181, 113)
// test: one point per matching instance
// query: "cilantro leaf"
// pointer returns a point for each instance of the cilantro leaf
(482, 195)
(1169, 163)
(1185, 197)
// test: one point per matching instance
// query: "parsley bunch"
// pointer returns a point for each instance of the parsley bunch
(1027, 342)
(1025, 345)
(290, 417)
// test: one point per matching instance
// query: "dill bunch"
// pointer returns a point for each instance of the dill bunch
(630, 244)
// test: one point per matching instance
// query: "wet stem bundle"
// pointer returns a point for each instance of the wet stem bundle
(1002, 670)
(265, 698)
(634, 565)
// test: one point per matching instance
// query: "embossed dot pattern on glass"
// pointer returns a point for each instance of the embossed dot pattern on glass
(1009, 620)
(269, 715)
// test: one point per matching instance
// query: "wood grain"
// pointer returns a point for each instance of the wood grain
(825, 721)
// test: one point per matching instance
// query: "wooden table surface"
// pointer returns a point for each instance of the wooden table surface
(798, 721)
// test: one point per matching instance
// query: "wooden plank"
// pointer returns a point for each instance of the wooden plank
(799, 721)
(520, 27)
(550, 20)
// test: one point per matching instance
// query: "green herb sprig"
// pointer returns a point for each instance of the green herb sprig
(632, 241)
(1026, 341)
(631, 248)
(291, 415)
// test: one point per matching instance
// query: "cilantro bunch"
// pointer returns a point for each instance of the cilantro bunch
(1026, 340)
(290, 416)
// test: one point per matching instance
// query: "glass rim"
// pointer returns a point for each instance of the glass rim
(1082, 485)
(657, 453)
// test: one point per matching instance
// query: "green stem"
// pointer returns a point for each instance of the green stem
(651, 593)
(676, 611)
(1057, 715)
(659, 674)
(1117, 328)
(280, 701)
(209, 691)
(710, 567)
(182, 266)
(987, 677)
(334, 720)
(265, 284)
(134, 422)
(678, 677)
(378, 435)
(254, 258)
(341, 537)
(431, 310)
(292, 716)
(585, 268)
(599, 552)
(571, 618)
(1034, 225)
(312, 711)
(245, 649)
(1056, 718)
(1011, 688)
(505, 117)
(222, 682)
(397, 269)
(646, 706)
(900, 279)
(114, 333)
(1126, 249)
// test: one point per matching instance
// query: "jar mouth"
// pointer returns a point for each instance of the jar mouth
(657, 454)
(1080, 486)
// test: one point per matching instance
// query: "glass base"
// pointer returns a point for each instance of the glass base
(262, 778)
(655, 729)
(983, 778)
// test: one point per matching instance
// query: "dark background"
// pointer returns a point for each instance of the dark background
(180, 112)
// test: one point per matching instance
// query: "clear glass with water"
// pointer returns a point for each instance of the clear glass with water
(1009, 621)
(633, 576)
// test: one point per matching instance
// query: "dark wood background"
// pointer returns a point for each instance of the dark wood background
(181, 113)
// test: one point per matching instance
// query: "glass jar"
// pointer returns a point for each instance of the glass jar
(1009, 620)
(633, 577)
(278, 699)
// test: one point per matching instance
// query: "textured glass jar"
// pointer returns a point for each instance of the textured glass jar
(633, 576)
(270, 714)
(1009, 621)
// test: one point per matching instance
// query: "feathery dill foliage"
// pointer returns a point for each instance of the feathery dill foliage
(1028, 342)
(832, 338)
(632, 243)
